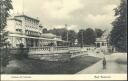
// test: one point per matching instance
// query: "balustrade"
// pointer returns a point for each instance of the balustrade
(47, 50)
(50, 50)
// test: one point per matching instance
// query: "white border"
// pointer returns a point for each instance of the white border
(66, 77)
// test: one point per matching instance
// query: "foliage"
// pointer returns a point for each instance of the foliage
(5, 6)
(99, 32)
(4, 57)
(118, 37)
(72, 36)
(22, 52)
(44, 30)
(87, 37)
(63, 33)
(80, 37)
(60, 32)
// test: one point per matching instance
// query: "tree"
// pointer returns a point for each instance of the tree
(99, 32)
(86, 37)
(63, 33)
(89, 36)
(72, 36)
(118, 36)
(5, 6)
(80, 37)
(44, 30)
(60, 32)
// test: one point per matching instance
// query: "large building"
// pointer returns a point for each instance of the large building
(28, 30)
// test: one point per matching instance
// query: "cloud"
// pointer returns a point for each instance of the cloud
(76, 13)
(60, 9)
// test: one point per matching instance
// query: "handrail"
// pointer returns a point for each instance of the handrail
(48, 48)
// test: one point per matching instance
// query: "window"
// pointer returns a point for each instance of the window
(98, 44)
(102, 44)
(26, 31)
(19, 30)
(16, 29)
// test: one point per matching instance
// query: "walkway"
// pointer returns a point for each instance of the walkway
(116, 63)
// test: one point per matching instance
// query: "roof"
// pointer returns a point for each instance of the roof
(40, 26)
(24, 36)
(15, 19)
(101, 40)
(27, 17)
(48, 35)
(104, 37)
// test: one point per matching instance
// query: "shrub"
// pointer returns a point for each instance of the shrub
(4, 57)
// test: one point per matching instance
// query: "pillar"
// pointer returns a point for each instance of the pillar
(96, 44)
(100, 44)
(34, 45)
(13, 42)
(24, 41)
(55, 43)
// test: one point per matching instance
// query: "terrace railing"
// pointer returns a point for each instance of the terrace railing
(48, 50)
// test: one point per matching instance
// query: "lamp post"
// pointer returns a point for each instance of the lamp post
(67, 34)
(82, 39)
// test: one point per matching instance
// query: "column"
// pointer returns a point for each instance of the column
(34, 43)
(24, 41)
(55, 43)
(39, 44)
(100, 44)
(95, 44)
(12, 41)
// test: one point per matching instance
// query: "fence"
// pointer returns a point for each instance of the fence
(48, 50)
(55, 52)
(50, 53)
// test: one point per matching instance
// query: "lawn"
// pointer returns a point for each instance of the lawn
(31, 66)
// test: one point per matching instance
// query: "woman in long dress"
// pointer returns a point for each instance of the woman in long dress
(104, 63)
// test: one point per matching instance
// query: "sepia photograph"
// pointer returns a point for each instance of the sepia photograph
(63, 37)
(69, 80)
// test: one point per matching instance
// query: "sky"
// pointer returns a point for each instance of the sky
(77, 14)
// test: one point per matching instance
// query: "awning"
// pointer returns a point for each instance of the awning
(24, 36)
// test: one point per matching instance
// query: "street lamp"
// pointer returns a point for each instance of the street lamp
(66, 26)
(82, 39)
(67, 35)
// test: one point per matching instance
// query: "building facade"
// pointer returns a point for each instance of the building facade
(102, 42)
(28, 31)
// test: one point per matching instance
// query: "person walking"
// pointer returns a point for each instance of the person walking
(104, 63)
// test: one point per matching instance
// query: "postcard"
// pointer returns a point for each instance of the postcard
(63, 40)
